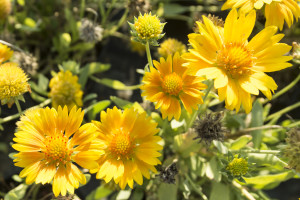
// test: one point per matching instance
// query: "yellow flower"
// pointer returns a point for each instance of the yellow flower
(279, 11)
(49, 141)
(169, 83)
(5, 8)
(236, 64)
(130, 145)
(276, 11)
(5, 52)
(170, 46)
(147, 28)
(13, 83)
(65, 90)
(238, 167)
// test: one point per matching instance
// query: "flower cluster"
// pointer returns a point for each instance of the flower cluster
(170, 46)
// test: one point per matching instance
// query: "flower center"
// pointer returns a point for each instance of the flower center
(122, 145)
(172, 84)
(57, 150)
(235, 59)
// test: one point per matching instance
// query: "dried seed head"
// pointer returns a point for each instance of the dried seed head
(167, 174)
(139, 6)
(210, 128)
(292, 150)
(90, 32)
(27, 62)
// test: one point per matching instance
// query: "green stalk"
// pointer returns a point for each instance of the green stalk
(195, 187)
(285, 110)
(148, 56)
(284, 90)
(256, 151)
(18, 106)
(196, 113)
(15, 116)
(82, 7)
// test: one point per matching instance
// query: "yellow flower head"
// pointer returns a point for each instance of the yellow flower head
(5, 52)
(48, 142)
(276, 11)
(236, 64)
(65, 90)
(147, 28)
(5, 8)
(130, 145)
(170, 46)
(13, 83)
(238, 167)
(168, 84)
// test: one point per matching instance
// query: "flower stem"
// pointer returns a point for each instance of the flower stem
(284, 90)
(197, 112)
(256, 151)
(15, 116)
(148, 56)
(18, 106)
(196, 188)
(285, 110)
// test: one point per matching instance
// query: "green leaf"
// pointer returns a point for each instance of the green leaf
(213, 171)
(123, 194)
(257, 120)
(29, 22)
(121, 103)
(37, 89)
(83, 77)
(266, 160)
(174, 9)
(269, 181)
(21, 2)
(99, 193)
(240, 142)
(220, 146)
(97, 108)
(115, 84)
(167, 191)
(17, 193)
(219, 191)
(96, 67)
(43, 82)
(90, 97)
(37, 97)
(70, 65)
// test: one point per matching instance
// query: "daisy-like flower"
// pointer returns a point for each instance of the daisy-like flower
(169, 83)
(49, 141)
(5, 53)
(170, 46)
(236, 64)
(276, 11)
(130, 145)
(13, 83)
(65, 90)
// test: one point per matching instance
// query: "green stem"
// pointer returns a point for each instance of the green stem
(195, 187)
(285, 110)
(294, 124)
(148, 56)
(15, 116)
(243, 190)
(82, 7)
(256, 151)
(196, 113)
(284, 90)
(18, 106)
